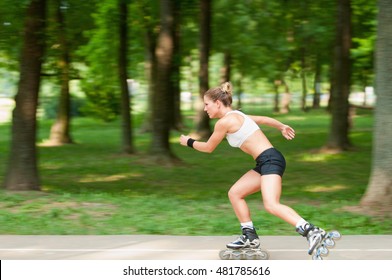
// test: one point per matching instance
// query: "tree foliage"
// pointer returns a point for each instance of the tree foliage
(99, 79)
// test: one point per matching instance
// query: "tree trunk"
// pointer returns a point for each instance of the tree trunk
(126, 117)
(317, 85)
(303, 80)
(22, 172)
(338, 135)
(226, 69)
(203, 122)
(277, 84)
(379, 191)
(239, 91)
(286, 99)
(176, 120)
(60, 131)
(150, 38)
(162, 73)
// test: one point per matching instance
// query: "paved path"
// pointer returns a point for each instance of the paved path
(161, 247)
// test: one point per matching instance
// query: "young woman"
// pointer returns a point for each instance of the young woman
(243, 131)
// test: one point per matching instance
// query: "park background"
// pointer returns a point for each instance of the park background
(101, 90)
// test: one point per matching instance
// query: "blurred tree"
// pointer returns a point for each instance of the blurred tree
(379, 191)
(67, 20)
(317, 84)
(106, 79)
(162, 73)
(60, 130)
(364, 36)
(184, 12)
(12, 15)
(100, 80)
(22, 172)
(203, 128)
(228, 40)
(266, 39)
(176, 118)
(309, 31)
(149, 12)
(339, 130)
(126, 120)
(275, 41)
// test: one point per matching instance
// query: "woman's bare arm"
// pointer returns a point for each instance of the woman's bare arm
(286, 130)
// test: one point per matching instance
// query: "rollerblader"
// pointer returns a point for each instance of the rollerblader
(242, 131)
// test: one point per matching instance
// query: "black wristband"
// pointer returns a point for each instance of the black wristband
(190, 142)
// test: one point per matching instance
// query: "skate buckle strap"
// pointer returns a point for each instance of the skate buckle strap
(306, 229)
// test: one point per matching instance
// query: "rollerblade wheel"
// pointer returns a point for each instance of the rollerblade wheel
(224, 255)
(316, 257)
(322, 251)
(336, 235)
(237, 255)
(329, 242)
(250, 255)
(262, 255)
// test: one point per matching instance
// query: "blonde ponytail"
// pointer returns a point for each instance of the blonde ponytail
(227, 88)
(222, 93)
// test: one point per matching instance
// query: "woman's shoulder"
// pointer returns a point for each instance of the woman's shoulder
(234, 115)
(235, 112)
(232, 122)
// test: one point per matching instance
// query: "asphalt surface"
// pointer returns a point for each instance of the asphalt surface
(162, 247)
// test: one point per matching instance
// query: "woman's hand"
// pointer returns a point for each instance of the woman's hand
(184, 139)
(288, 132)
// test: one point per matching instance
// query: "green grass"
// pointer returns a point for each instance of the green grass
(91, 188)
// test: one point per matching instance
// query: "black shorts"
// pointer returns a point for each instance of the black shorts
(271, 161)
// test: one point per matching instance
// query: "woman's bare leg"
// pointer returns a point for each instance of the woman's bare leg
(271, 189)
(248, 184)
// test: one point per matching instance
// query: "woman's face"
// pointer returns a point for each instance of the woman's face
(211, 107)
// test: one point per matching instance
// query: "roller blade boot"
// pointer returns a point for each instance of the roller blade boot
(329, 240)
(246, 247)
(319, 240)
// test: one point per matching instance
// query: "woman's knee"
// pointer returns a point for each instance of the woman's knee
(231, 194)
(234, 195)
(271, 207)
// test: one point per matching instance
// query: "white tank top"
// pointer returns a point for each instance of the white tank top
(247, 128)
